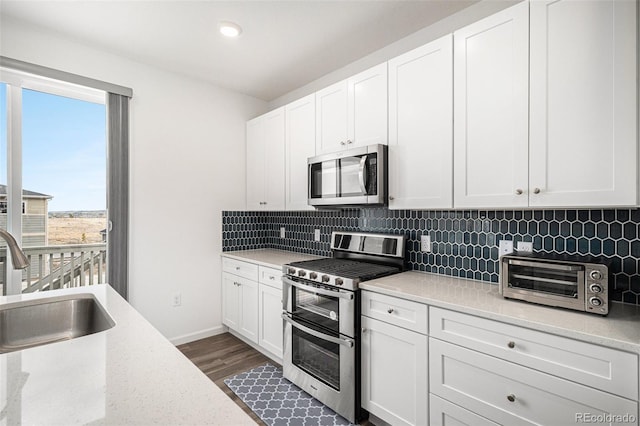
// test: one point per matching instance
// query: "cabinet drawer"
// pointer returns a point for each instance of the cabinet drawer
(508, 393)
(592, 365)
(270, 276)
(242, 269)
(444, 413)
(404, 313)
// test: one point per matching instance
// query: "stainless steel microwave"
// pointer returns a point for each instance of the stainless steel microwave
(575, 283)
(353, 177)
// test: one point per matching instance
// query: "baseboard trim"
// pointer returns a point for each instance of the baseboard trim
(187, 338)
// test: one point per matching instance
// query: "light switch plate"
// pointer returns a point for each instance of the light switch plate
(425, 243)
(316, 235)
(505, 247)
(282, 232)
(524, 247)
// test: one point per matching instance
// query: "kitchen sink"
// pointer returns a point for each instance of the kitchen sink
(53, 319)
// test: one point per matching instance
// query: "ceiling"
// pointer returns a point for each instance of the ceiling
(284, 44)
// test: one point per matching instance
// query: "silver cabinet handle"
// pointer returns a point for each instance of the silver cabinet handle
(536, 190)
(349, 141)
(364, 330)
(391, 198)
(311, 289)
(511, 398)
(271, 277)
(511, 345)
(339, 340)
(519, 191)
(237, 268)
(390, 310)
(342, 143)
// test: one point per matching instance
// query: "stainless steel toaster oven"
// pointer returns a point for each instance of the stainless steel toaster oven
(575, 283)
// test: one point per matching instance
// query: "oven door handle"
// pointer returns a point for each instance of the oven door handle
(340, 294)
(544, 265)
(338, 340)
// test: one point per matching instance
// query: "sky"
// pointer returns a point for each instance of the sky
(63, 149)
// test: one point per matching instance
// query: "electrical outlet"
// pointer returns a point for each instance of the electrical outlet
(425, 243)
(282, 232)
(176, 299)
(505, 247)
(316, 235)
(524, 247)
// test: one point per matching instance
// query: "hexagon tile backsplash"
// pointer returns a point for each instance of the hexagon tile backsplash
(464, 243)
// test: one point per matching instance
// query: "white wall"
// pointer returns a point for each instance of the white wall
(187, 165)
(452, 23)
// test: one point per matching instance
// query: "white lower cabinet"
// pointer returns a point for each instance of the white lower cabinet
(240, 305)
(252, 303)
(394, 373)
(270, 310)
(511, 394)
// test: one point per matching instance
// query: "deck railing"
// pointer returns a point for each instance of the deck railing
(53, 267)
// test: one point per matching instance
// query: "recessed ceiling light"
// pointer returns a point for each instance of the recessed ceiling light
(230, 29)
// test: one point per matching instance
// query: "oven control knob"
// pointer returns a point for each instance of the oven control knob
(596, 275)
(595, 288)
(291, 271)
(595, 301)
(325, 278)
(313, 275)
(302, 273)
(339, 281)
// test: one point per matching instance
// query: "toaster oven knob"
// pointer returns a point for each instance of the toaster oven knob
(313, 275)
(595, 301)
(302, 273)
(596, 275)
(325, 278)
(595, 288)
(339, 281)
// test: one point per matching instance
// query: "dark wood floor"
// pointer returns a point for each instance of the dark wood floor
(223, 356)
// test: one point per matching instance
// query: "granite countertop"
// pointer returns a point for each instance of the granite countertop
(271, 258)
(129, 374)
(620, 329)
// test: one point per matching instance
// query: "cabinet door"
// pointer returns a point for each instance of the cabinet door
(230, 301)
(394, 373)
(300, 118)
(444, 413)
(331, 118)
(248, 321)
(367, 107)
(255, 164)
(491, 110)
(273, 180)
(421, 127)
(583, 145)
(270, 310)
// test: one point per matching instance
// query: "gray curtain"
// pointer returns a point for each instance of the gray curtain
(118, 192)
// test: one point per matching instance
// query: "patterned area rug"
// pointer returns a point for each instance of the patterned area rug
(278, 402)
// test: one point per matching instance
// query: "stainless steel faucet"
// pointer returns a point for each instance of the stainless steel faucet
(18, 258)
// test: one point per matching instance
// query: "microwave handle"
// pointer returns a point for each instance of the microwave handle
(339, 340)
(362, 175)
(544, 265)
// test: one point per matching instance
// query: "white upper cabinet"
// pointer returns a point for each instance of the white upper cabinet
(491, 111)
(331, 118)
(266, 162)
(353, 112)
(367, 107)
(421, 127)
(300, 137)
(583, 141)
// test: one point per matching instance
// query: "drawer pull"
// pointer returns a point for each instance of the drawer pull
(511, 398)
(237, 268)
(511, 344)
(390, 310)
(364, 330)
(271, 277)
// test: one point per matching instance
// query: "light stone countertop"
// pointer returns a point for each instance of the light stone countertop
(271, 258)
(129, 374)
(620, 329)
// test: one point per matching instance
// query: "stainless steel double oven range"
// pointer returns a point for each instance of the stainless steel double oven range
(321, 313)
